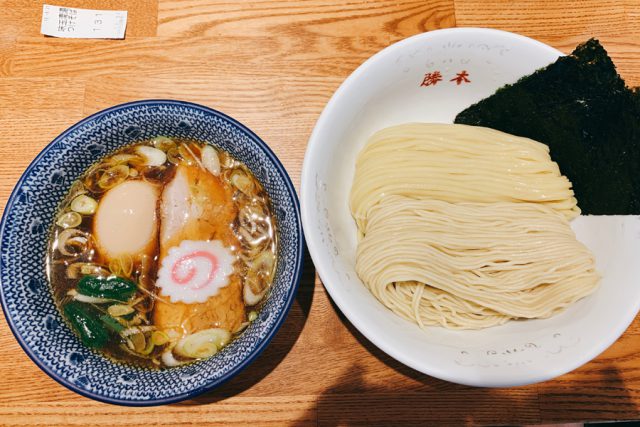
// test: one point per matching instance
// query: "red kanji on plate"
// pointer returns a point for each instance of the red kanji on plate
(430, 79)
(461, 77)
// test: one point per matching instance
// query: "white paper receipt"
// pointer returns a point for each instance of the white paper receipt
(77, 23)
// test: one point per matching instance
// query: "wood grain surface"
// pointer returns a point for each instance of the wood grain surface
(273, 64)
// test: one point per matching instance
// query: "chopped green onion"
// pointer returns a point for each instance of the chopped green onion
(203, 343)
(84, 205)
(119, 310)
(159, 338)
(69, 220)
(152, 156)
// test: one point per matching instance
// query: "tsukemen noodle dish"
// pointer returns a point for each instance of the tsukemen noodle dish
(468, 225)
(162, 252)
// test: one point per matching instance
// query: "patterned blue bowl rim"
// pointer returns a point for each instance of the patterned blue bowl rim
(282, 315)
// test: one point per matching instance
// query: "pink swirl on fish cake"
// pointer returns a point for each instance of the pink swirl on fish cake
(195, 271)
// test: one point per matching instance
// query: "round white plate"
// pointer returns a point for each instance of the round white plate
(424, 78)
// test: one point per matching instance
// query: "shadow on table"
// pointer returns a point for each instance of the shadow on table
(594, 392)
(277, 349)
(352, 399)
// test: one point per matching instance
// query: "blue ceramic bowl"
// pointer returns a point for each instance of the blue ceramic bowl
(25, 293)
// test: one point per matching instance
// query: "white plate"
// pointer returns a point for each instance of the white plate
(388, 89)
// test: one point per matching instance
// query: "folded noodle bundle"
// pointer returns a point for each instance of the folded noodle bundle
(457, 163)
(472, 265)
(466, 227)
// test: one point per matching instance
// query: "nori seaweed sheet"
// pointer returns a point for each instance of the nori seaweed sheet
(581, 108)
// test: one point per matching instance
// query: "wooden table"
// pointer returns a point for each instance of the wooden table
(273, 65)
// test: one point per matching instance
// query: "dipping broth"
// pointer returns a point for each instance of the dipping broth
(162, 252)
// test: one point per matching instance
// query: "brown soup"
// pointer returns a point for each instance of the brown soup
(162, 252)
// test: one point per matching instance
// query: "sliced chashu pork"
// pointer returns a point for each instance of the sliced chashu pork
(196, 206)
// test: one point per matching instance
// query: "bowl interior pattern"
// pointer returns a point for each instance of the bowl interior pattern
(27, 299)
